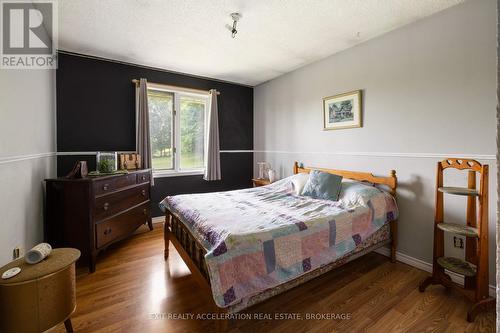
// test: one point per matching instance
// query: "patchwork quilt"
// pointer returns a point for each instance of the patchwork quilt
(259, 238)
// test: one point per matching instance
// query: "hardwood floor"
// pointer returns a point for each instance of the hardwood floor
(133, 282)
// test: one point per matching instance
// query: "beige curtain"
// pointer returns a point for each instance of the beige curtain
(212, 157)
(143, 143)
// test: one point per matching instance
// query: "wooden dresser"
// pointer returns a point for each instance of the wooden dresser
(92, 213)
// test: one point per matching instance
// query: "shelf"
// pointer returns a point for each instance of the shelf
(457, 265)
(473, 266)
(459, 191)
(459, 229)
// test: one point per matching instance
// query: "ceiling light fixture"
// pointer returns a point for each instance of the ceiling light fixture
(235, 17)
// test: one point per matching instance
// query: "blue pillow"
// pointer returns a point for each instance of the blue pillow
(323, 185)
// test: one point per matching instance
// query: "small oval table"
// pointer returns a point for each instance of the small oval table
(41, 296)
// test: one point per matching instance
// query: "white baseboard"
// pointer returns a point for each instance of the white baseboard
(427, 267)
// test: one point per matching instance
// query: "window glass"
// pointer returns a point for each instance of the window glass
(192, 136)
(161, 106)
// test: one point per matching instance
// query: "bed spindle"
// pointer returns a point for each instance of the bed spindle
(191, 247)
(181, 234)
(205, 269)
(184, 238)
(188, 243)
(196, 254)
(201, 262)
(179, 231)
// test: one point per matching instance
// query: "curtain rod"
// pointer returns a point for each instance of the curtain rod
(166, 86)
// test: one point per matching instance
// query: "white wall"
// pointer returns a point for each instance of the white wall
(27, 146)
(429, 92)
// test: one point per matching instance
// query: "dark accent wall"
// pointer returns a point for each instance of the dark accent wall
(96, 112)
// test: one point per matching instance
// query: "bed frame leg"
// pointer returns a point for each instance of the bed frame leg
(166, 234)
(394, 237)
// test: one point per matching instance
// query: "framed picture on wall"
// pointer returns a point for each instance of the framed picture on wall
(342, 111)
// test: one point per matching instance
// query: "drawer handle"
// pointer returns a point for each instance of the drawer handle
(106, 206)
(105, 187)
(143, 192)
(143, 177)
(107, 231)
(145, 211)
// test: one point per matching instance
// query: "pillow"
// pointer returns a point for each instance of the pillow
(323, 185)
(357, 193)
(298, 182)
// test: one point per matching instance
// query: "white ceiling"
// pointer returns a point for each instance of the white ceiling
(190, 36)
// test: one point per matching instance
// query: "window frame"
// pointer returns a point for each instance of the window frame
(176, 133)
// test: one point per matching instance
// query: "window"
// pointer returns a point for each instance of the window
(177, 122)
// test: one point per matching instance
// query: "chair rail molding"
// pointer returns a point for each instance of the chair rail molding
(18, 158)
(383, 154)
(371, 154)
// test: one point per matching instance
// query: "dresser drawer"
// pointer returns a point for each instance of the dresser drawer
(111, 204)
(113, 183)
(122, 225)
(143, 177)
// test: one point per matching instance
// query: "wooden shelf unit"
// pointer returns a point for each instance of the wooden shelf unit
(475, 266)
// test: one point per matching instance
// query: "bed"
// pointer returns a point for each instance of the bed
(248, 245)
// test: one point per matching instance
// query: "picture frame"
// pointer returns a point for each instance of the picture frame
(342, 111)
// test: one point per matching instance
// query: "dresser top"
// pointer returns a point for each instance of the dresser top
(93, 178)
(57, 260)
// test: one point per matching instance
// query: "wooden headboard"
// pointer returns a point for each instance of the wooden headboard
(391, 181)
